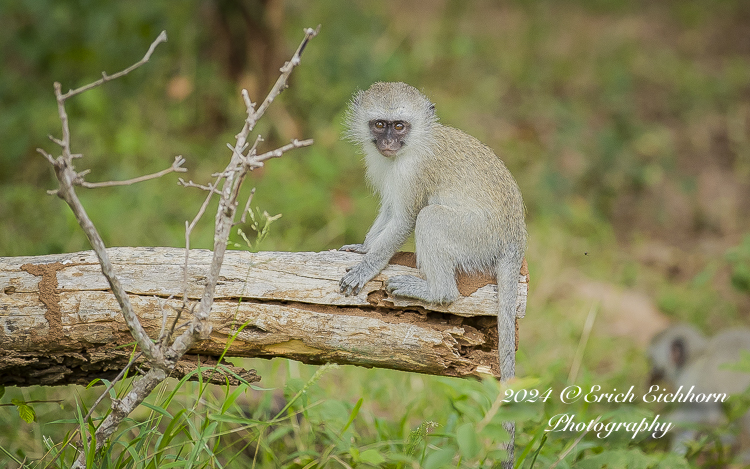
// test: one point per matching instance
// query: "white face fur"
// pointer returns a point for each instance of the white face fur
(393, 103)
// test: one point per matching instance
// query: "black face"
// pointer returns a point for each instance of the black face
(389, 136)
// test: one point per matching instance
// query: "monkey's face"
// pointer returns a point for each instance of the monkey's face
(389, 136)
(671, 350)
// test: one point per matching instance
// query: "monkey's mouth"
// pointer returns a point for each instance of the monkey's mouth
(388, 148)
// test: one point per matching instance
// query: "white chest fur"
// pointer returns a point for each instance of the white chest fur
(395, 179)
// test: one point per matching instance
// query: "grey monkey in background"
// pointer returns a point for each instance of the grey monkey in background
(682, 356)
(452, 191)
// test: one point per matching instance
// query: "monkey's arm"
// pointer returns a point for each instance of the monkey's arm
(386, 236)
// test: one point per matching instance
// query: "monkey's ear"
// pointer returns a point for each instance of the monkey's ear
(677, 351)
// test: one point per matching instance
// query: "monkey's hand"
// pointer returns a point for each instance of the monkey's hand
(357, 277)
(360, 248)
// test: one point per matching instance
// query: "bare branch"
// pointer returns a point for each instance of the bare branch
(209, 188)
(105, 78)
(68, 178)
(161, 356)
(281, 150)
(177, 318)
(237, 151)
(164, 307)
(254, 148)
(234, 174)
(65, 141)
(67, 193)
(112, 384)
(121, 408)
(248, 104)
(286, 70)
(176, 167)
(247, 206)
(47, 156)
(251, 165)
(224, 174)
(56, 140)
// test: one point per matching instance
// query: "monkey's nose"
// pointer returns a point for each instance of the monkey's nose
(389, 147)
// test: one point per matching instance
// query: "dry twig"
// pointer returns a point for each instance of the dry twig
(68, 178)
(176, 167)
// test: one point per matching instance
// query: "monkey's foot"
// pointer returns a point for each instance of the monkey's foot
(360, 248)
(414, 287)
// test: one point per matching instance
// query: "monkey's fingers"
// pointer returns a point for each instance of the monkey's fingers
(349, 290)
(347, 287)
(355, 278)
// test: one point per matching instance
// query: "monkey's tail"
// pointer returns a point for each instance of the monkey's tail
(507, 273)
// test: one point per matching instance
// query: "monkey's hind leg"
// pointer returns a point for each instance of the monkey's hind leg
(436, 251)
(414, 287)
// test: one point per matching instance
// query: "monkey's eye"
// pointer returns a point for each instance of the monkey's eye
(399, 126)
(380, 125)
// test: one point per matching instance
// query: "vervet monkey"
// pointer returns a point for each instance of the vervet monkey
(452, 191)
(682, 356)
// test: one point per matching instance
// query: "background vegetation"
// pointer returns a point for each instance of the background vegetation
(626, 123)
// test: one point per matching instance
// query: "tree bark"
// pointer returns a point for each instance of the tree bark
(60, 323)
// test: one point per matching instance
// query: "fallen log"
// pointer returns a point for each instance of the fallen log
(60, 324)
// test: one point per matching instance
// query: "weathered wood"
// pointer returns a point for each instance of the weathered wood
(59, 322)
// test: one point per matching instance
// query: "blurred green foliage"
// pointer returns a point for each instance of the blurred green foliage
(627, 125)
(739, 259)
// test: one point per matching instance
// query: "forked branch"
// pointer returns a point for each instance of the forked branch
(68, 178)
(163, 355)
